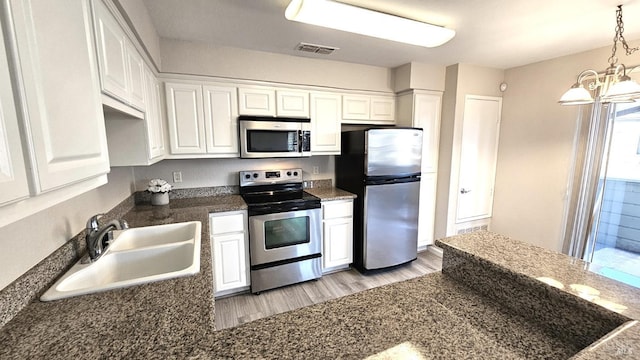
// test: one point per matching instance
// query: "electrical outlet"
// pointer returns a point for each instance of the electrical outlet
(316, 170)
(177, 176)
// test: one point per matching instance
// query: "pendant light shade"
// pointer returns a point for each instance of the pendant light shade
(363, 21)
(577, 95)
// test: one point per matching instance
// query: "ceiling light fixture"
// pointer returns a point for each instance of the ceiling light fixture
(363, 21)
(614, 85)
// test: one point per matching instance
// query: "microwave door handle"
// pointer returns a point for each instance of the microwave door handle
(300, 141)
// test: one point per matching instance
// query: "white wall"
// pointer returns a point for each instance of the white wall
(24, 243)
(184, 57)
(220, 172)
(536, 147)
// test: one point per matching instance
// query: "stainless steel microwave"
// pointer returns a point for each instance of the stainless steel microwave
(271, 137)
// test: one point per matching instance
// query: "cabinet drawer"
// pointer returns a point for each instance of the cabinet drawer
(337, 209)
(222, 224)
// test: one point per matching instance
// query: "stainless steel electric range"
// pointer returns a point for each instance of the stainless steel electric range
(284, 228)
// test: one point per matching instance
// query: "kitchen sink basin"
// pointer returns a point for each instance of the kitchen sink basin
(141, 237)
(135, 256)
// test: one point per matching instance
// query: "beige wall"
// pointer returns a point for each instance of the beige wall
(416, 75)
(461, 80)
(202, 59)
(140, 21)
(26, 242)
(536, 147)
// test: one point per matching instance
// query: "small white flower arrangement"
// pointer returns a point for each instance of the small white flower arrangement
(158, 186)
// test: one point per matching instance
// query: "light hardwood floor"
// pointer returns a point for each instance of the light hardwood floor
(243, 308)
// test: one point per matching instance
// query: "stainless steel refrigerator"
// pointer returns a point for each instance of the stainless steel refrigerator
(382, 167)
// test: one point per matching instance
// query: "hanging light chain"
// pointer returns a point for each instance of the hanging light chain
(619, 37)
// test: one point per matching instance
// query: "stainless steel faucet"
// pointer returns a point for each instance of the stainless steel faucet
(95, 237)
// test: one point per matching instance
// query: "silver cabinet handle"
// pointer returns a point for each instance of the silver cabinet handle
(464, 191)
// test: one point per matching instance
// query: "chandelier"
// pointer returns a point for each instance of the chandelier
(612, 86)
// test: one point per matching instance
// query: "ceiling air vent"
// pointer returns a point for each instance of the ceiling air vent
(317, 49)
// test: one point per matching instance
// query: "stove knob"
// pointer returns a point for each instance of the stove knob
(295, 173)
(288, 173)
(255, 175)
(247, 176)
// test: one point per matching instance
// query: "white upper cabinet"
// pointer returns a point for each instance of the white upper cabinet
(366, 109)
(292, 103)
(154, 116)
(203, 119)
(185, 118)
(13, 175)
(421, 109)
(356, 107)
(136, 77)
(257, 101)
(426, 115)
(61, 91)
(221, 119)
(325, 123)
(382, 109)
(121, 68)
(111, 44)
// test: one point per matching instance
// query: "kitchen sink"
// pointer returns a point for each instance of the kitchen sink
(135, 256)
(141, 237)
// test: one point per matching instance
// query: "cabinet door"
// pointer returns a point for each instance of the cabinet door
(136, 77)
(153, 116)
(221, 119)
(356, 107)
(426, 115)
(382, 109)
(111, 44)
(291, 103)
(338, 243)
(229, 261)
(325, 123)
(478, 155)
(185, 118)
(254, 101)
(61, 90)
(13, 176)
(427, 209)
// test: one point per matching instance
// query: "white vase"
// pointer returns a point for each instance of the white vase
(160, 198)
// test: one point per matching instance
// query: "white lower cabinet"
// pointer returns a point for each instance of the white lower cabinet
(337, 234)
(230, 248)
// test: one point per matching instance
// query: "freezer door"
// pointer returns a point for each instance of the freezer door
(393, 152)
(390, 224)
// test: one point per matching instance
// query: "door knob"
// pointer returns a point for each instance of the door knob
(464, 191)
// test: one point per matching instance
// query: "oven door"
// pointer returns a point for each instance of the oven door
(284, 236)
(267, 139)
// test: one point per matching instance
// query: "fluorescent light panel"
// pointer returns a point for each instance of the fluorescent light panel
(362, 21)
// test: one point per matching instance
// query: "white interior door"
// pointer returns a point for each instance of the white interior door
(478, 154)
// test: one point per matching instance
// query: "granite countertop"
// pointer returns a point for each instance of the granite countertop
(564, 295)
(162, 319)
(330, 193)
(439, 315)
